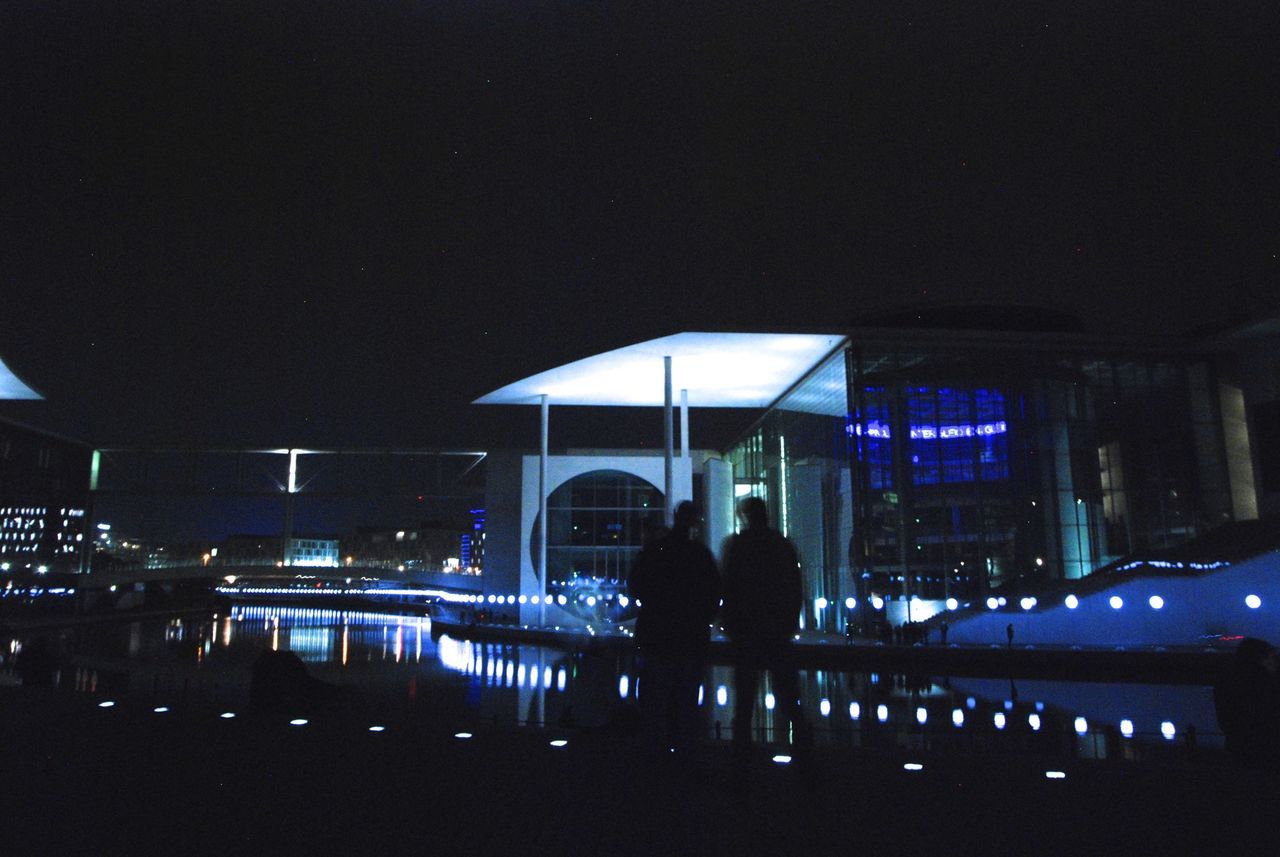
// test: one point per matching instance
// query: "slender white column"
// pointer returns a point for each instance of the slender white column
(669, 507)
(684, 423)
(542, 516)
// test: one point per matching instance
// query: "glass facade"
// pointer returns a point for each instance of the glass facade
(596, 526)
(961, 468)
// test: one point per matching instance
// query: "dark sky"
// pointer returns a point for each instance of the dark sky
(294, 223)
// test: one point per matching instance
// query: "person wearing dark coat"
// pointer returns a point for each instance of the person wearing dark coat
(1247, 702)
(677, 589)
(763, 595)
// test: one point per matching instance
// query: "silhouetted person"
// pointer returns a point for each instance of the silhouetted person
(1247, 702)
(942, 630)
(678, 589)
(763, 594)
(1008, 633)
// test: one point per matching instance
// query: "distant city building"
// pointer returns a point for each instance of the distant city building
(314, 552)
(44, 492)
(427, 547)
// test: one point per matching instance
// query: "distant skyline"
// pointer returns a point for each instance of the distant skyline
(241, 224)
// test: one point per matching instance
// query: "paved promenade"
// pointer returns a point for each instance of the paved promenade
(82, 779)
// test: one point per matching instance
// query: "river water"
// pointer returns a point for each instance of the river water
(394, 666)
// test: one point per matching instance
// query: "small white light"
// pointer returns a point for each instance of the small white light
(999, 720)
(855, 711)
(299, 721)
(1033, 720)
(820, 603)
(227, 715)
(1126, 728)
(992, 603)
(1082, 726)
(913, 766)
(953, 604)
(850, 603)
(106, 704)
(377, 728)
(1167, 730)
(882, 713)
(1002, 601)
(523, 599)
(1156, 602)
(1116, 602)
(624, 686)
(162, 709)
(559, 742)
(782, 759)
(769, 701)
(1055, 775)
(957, 717)
(922, 715)
(591, 601)
(1072, 602)
(1253, 602)
(561, 600)
(462, 736)
(877, 602)
(824, 708)
(722, 695)
(1027, 603)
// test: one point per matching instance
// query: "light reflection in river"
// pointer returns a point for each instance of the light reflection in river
(193, 660)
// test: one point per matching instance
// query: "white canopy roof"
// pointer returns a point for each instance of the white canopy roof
(13, 388)
(720, 370)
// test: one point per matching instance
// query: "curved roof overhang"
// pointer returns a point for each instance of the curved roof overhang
(11, 386)
(720, 370)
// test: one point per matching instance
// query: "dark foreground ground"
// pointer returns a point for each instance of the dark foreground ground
(79, 779)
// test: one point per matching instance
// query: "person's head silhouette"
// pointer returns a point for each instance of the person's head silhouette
(754, 513)
(687, 517)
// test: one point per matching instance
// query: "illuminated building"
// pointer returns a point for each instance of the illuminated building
(44, 482)
(934, 455)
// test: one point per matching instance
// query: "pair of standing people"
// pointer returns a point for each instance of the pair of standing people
(678, 590)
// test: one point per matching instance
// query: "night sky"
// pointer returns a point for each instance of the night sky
(299, 223)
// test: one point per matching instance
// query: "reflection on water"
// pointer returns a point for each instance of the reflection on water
(394, 662)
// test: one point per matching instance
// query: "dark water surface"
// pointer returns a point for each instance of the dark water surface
(392, 664)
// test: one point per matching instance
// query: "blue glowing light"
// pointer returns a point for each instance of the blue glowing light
(879, 430)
